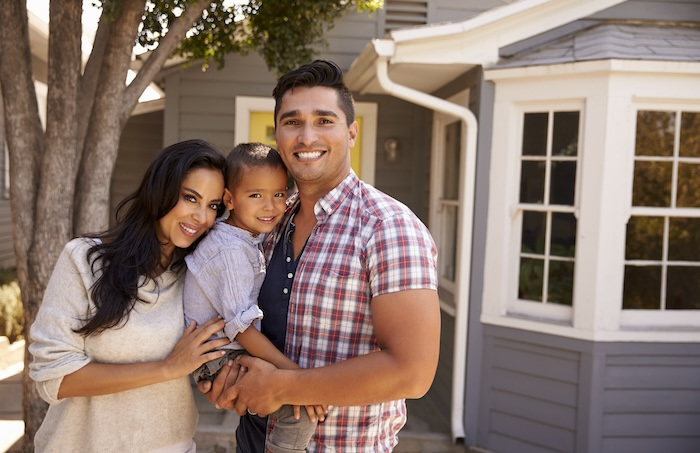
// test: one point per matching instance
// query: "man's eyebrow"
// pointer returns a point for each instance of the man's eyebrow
(293, 113)
(289, 113)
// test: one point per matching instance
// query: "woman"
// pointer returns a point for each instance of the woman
(109, 353)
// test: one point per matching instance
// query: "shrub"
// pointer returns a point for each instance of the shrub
(11, 308)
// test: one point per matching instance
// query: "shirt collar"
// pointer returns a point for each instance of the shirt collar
(328, 203)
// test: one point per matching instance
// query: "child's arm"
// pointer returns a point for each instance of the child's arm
(258, 345)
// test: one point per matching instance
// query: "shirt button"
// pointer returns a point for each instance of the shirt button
(285, 290)
(290, 275)
(289, 259)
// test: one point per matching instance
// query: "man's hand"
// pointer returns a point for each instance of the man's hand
(227, 377)
(255, 391)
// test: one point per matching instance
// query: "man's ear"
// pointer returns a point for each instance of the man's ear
(352, 134)
(228, 200)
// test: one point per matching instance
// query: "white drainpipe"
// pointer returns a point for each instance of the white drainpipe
(464, 239)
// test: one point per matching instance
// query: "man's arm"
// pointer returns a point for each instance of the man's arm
(407, 326)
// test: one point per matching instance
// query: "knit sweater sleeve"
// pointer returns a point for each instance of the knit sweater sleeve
(56, 349)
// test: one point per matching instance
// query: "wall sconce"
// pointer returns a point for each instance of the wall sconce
(391, 150)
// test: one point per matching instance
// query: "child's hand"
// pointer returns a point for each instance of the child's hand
(315, 413)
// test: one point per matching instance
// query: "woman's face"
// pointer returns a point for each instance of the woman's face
(195, 210)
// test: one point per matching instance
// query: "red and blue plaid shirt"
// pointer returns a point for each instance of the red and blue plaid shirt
(364, 244)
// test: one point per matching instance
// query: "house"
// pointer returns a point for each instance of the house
(552, 146)
(565, 199)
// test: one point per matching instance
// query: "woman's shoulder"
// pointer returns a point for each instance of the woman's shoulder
(79, 247)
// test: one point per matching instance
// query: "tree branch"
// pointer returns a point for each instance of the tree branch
(165, 49)
(90, 78)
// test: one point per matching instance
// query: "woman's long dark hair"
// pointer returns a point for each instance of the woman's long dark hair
(131, 248)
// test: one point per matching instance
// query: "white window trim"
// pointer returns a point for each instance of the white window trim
(245, 105)
(610, 93)
(440, 122)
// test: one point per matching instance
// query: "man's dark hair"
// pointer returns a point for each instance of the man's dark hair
(248, 155)
(319, 73)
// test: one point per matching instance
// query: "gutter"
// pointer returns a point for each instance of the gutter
(464, 240)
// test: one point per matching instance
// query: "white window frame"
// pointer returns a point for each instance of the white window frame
(438, 203)
(517, 306)
(662, 318)
(245, 105)
(610, 91)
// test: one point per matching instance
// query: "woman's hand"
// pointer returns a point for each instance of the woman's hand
(193, 349)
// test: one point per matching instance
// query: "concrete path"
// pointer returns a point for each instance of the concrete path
(426, 430)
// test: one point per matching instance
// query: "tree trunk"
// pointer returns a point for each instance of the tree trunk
(106, 124)
(25, 140)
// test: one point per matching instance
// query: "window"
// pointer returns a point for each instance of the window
(662, 248)
(548, 168)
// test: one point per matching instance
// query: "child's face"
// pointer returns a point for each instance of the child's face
(258, 201)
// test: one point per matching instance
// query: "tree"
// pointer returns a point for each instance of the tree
(60, 177)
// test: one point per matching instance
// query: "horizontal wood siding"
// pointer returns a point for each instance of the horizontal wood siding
(7, 251)
(654, 10)
(542, 393)
(532, 396)
(140, 141)
(456, 10)
(652, 399)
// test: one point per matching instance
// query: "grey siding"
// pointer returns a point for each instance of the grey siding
(140, 141)
(456, 10)
(551, 394)
(7, 253)
(654, 10)
(407, 179)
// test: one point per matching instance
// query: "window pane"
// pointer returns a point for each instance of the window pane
(533, 232)
(563, 242)
(563, 183)
(448, 243)
(655, 132)
(652, 184)
(531, 273)
(532, 182)
(453, 146)
(561, 282)
(690, 134)
(684, 239)
(688, 192)
(565, 134)
(642, 288)
(645, 237)
(683, 288)
(535, 134)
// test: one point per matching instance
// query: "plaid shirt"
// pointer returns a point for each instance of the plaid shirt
(364, 244)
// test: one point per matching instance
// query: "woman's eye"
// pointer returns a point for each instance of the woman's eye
(190, 198)
(214, 206)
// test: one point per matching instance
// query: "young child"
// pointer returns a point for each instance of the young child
(226, 270)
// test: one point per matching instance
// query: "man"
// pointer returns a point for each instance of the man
(351, 288)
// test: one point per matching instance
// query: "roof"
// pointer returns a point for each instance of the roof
(427, 57)
(617, 40)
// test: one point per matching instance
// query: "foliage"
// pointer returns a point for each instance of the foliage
(285, 32)
(11, 309)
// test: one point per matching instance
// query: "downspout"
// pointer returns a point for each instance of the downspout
(464, 239)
